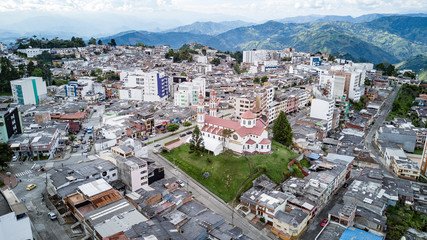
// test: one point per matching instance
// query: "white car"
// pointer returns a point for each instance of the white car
(181, 183)
(52, 215)
(14, 158)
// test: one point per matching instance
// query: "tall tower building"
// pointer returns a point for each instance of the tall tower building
(212, 104)
(200, 110)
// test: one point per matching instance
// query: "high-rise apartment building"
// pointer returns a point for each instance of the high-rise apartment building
(28, 91)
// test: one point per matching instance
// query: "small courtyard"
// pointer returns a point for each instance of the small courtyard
(228, 172)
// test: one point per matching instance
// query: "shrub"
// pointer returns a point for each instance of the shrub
(187, 124)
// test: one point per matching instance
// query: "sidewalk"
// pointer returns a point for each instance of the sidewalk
(13, 181)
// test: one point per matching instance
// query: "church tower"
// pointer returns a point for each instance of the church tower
(200, 110)
(212, 104)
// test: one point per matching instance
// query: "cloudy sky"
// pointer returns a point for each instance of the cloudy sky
(161, 14)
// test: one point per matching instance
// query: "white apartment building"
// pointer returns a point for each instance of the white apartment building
(188, 92)
(334, 85)
(32, 52)
(323, 109)
(255, 56)
(150, 86)
(30, 90)
(342, 83)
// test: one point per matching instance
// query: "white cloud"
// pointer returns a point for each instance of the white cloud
(255, 9)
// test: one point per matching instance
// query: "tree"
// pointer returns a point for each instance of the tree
(367, 82)
(196, 142)
(187, 124)
(412, 75)
(256, 80)
(216, 61)
(264, 79)
(6, 154)
(92, 41)
(325, 150)
(30, 67)
(172, 127)
(204, 52)
(71, 138)
(7, 73)
(100, 42)
(282, 131)
(387, 69)
(113, 42)
(37, 72)
(183, 74)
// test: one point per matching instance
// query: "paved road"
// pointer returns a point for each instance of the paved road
(382, 116)
(209, 199)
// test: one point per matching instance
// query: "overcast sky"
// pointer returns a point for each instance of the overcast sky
(92, 17)
(258, 10)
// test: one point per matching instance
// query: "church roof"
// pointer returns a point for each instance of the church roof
(250, 141)
(258, 129)
(265, 141)
(248, 115)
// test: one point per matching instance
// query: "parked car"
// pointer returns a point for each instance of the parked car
(324, 222)
(153, 135)
(182, 135)
(144, 138)
(189, 132)
(345, 185)
(51, 215)
(180, 183)
(31, 187)
(157, 145)
(15, 158)
(84, 141)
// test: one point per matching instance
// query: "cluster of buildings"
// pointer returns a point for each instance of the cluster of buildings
(288, 208)
(121, 193)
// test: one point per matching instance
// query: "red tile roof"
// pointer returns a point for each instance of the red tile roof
(265, 141)
(250, 141)
(248, 115)
(258, 129)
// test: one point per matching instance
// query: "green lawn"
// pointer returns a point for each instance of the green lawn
(228, 171)
(418, 151)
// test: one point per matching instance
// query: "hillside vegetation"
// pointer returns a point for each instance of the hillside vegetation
(388, 39)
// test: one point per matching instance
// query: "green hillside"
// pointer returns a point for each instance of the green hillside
(417, 63)
(389, 39)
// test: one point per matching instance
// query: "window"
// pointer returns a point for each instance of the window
(114, 174)
(262, 146)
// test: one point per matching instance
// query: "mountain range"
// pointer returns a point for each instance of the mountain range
(372, 37)
(385, 39)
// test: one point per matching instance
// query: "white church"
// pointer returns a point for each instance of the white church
(249, 136)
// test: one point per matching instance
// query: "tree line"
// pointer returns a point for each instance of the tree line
(46, 43)
(8, 72)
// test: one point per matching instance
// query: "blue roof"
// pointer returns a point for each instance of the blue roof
(352, 233)
(314, 156)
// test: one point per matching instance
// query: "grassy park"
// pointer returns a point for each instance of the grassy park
(228, 171)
